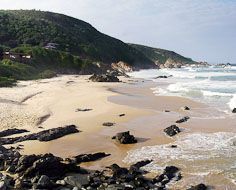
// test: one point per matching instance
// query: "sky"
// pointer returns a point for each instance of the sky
(204, 30)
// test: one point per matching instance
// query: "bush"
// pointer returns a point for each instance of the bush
(7, 82)
(47, 74)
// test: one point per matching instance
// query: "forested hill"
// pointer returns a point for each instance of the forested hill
(37, 28)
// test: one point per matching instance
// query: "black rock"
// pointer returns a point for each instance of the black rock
(234, 110)
(45, 135)
(44, 182)
(79, 180)
(125, 138)
(198, 187)
(173, 146)
(83, 110)
(122, 115)
(108, 124)
(184, 119)
(141, 164)
(158, 77)
(172, 130)
(117, 170)
(89, 157)
(104, 78)
(185, 108)
(12, 132)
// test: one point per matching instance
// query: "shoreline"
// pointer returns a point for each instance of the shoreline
(143, 110)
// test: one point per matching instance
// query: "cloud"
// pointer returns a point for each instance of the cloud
(203, 30)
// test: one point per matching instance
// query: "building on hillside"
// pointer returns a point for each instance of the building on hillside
(51, 46)
(19, 57)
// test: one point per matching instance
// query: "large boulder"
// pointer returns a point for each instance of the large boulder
(79, 180)
(125, 138)
(234, 110)
(104, 78)
(172, 130)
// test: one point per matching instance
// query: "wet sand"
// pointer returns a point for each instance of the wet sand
(57, 99)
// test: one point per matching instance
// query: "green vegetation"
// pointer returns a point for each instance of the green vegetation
(37, 28)
(160, 56)
(7, 82)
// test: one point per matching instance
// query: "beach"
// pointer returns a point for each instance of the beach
(50, 103)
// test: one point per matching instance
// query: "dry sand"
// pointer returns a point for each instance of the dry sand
(53, 102)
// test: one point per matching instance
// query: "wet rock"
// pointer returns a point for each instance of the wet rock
(173, 146)
(117, 170)
(170, 173)
(141, 164)
(44, 182)
(125, 138)
(89, 157)
(184, 119)
(185, 108)
(172, 130)
(77, 180)
(198, 187)
(234, 110)
(45, 135)
(13, 131)
(108, 124)
(162, 77)
(104, 78)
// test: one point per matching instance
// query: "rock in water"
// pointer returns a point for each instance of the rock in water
(125, 138)
(198, 187)
(234, 110)
(172, 130)
(104, 78)
(184, 119)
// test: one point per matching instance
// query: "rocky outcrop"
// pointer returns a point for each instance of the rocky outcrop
(125, 138)
(104, 78)
(184, 119)
(172, 130)
(122, 67)
(46, 135)
(170, 63)
(13, 131)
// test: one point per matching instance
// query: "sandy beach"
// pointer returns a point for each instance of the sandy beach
(51, 103)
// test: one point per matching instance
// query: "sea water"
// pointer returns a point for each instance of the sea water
(214, 85)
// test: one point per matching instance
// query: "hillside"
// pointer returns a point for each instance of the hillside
(161, 56)
(37, 28)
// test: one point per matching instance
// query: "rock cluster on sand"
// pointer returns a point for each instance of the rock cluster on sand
(49, 172)
(104, 78)
(125, 138)
(45, 135)
(172, 130)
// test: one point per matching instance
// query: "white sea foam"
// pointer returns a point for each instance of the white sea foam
(206, 150)
(232, 102)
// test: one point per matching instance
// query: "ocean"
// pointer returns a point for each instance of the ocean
(204, 155)
(213, 85)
